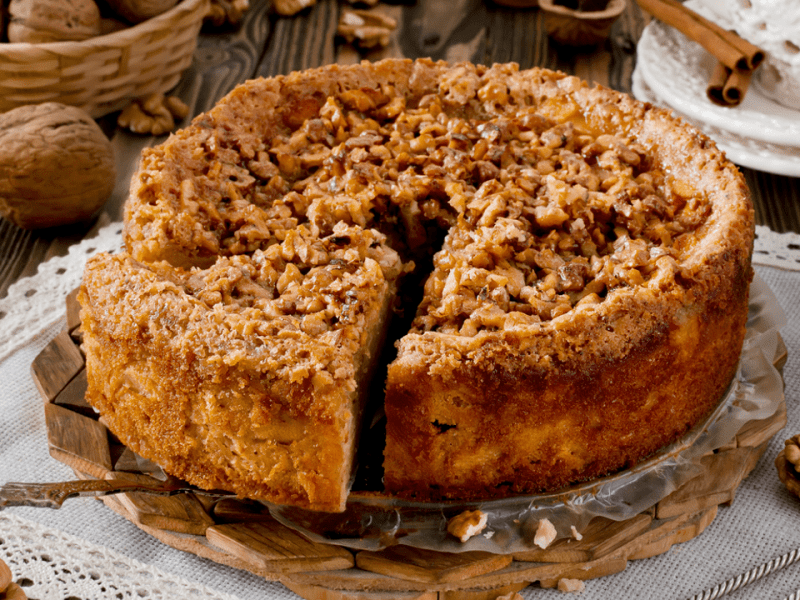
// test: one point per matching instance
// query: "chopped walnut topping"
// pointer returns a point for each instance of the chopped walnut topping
(153, 114)
(585, 227)
(543, 218)
(304, 283)
(467, 524)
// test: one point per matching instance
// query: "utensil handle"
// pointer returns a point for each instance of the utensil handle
(53, 495)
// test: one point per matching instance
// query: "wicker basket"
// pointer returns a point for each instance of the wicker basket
(104, 73)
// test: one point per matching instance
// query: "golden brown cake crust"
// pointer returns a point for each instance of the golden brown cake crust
(586, 307)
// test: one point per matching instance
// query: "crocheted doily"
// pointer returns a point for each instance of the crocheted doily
(34, 303)
(47, 563)
(781, 250)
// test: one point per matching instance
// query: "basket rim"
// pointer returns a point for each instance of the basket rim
(116, 38)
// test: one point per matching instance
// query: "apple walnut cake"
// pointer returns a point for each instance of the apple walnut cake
(586, 267)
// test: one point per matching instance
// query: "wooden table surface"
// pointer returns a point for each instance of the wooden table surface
(266, 44)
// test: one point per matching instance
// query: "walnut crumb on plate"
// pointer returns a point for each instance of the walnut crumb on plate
(545, 534)
(571, 585)
(467, 524)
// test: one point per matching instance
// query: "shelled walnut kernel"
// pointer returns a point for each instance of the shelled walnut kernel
(365, 28)
(467, 524)
(230, 12)
(787, 463)
(153, 114)
(287, 8)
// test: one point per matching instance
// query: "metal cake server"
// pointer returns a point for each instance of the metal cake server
(53, 495)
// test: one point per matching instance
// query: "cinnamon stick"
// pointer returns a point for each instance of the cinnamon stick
(731, 50)
(717, 84)
(736, 87)
(727, 87)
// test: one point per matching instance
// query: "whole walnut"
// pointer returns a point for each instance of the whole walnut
(137, 11)
(56, 165)
(42, 21)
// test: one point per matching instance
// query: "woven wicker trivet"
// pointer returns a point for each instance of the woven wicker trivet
(243, 535)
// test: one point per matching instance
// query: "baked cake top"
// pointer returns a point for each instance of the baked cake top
(560, 224)
(555, 196)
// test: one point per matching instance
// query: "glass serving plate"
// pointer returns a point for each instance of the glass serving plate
(373, 520)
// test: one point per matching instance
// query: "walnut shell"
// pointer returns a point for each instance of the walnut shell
(42, 21)
(137, 11)
(787, 463)
(56, 165)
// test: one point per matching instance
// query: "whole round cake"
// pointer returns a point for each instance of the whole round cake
(575, 266)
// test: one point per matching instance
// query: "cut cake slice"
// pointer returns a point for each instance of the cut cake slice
(248, 376)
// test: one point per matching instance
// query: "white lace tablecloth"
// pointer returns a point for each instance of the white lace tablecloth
(86, 551)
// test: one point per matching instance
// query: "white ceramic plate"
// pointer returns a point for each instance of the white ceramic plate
(677, 70)
(743, 151)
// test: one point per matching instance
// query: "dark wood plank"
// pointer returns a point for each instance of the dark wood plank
(516, 35)
(776, 199)
(302, 41)
(21, 251)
